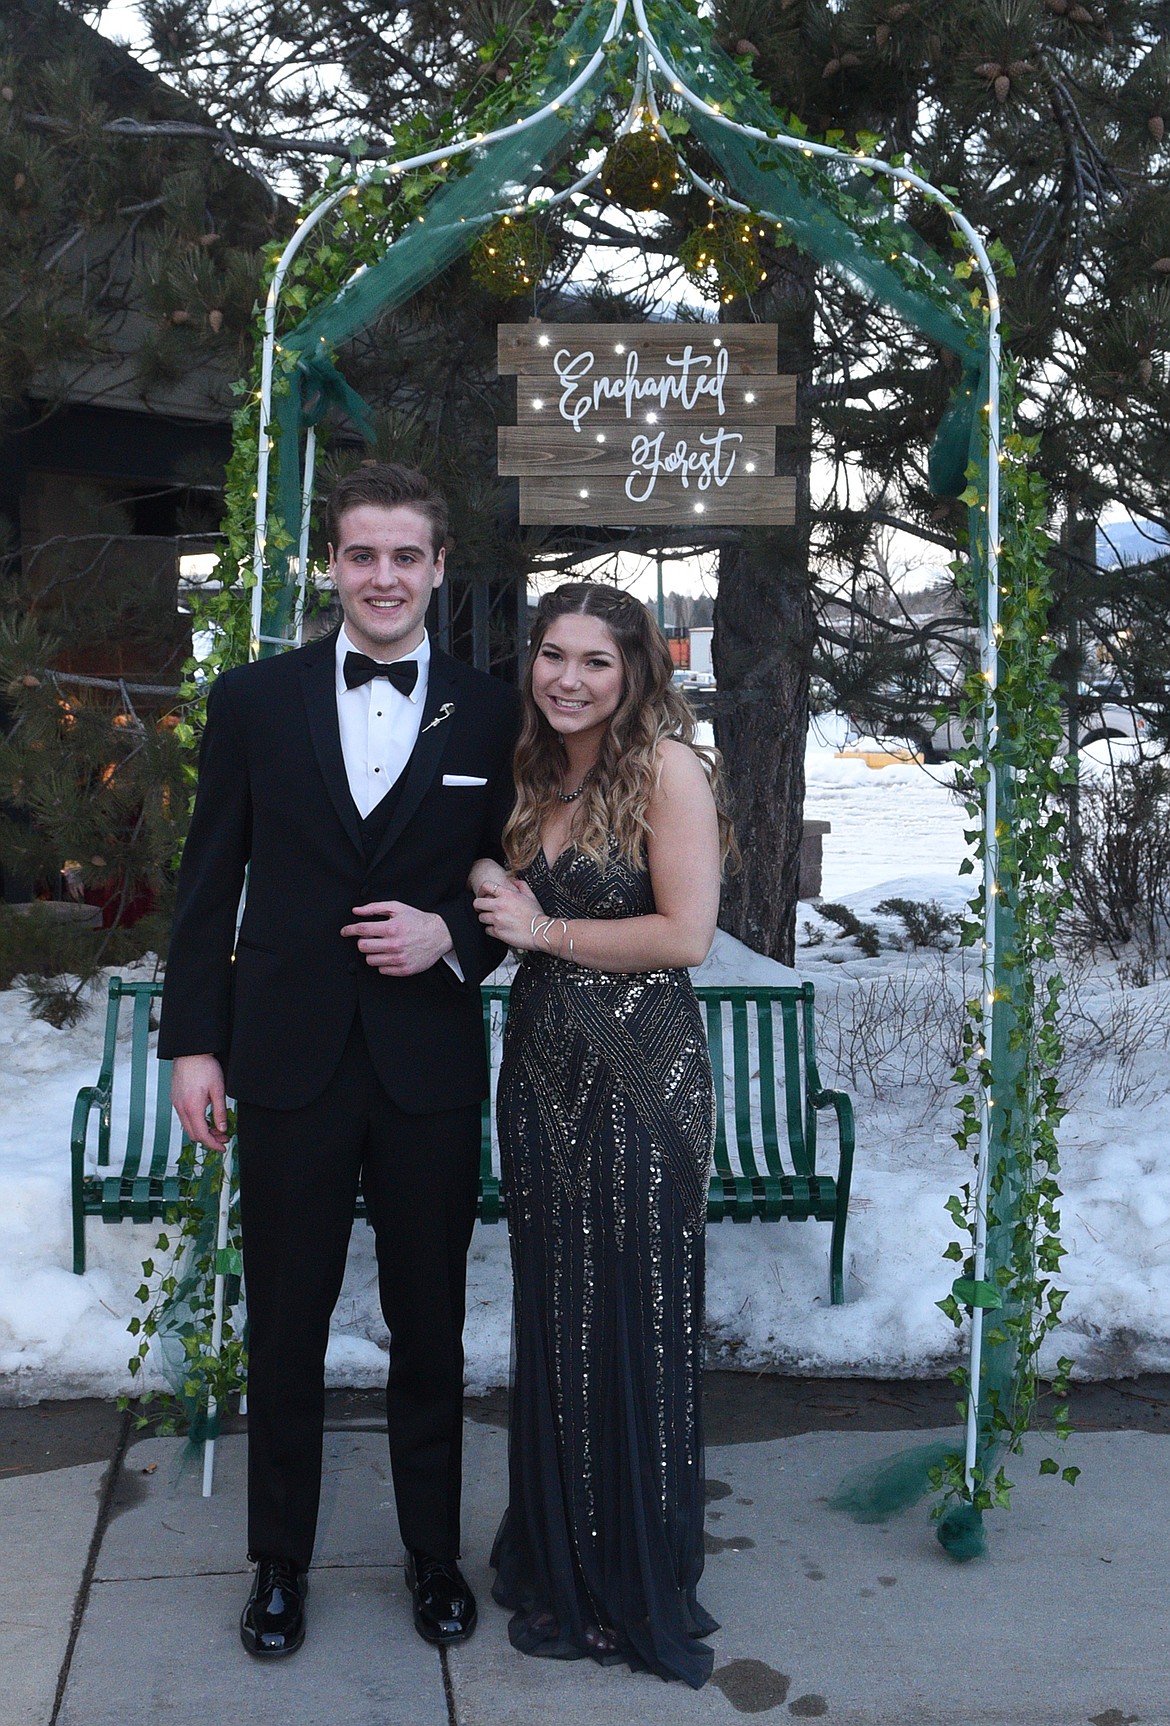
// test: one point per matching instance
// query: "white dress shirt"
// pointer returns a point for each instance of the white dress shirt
(379, 728)
(378, 724)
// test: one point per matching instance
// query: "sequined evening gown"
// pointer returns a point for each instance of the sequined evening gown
(605, 1125)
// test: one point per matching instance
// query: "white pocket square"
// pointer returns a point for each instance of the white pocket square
(462, 779)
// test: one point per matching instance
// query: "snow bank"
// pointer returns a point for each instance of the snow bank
(885, 1029)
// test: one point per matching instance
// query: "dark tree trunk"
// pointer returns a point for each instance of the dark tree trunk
(762, 652)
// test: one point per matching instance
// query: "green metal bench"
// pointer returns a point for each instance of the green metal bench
(765, 1135)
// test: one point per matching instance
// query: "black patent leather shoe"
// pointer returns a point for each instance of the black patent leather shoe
(444, 1606)
(273, 1621)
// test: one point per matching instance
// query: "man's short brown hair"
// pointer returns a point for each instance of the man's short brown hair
(388, 484)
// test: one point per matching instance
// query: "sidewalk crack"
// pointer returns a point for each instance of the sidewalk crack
(105, 1510)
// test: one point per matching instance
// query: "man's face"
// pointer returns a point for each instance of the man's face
(385, 571)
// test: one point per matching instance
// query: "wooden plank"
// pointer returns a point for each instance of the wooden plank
(528, 348)
(558, 449)
(746, 402)
(558, 502)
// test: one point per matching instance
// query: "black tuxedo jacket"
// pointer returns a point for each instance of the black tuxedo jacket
(277, 1004)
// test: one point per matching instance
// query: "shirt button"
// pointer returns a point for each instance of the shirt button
(377, 770)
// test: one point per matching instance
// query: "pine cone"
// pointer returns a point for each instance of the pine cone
(1080, 15)
(882, 35)
(1019, 68)
(18, 181)
(6, 92)
(1060, 7)
(215, 319)
(1157, 127)
(896, 12)
(851, 59)
(990, 69)
(180, 317)
(1146, 370)
(832, 67)
(1162, 266)
(1002, 87)
(743, 46)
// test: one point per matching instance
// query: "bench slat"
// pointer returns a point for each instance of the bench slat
(160, 1154)
(139, 1056)
(794, 1094)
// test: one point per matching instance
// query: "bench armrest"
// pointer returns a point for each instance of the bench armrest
(842, 1105)
(88, 1098)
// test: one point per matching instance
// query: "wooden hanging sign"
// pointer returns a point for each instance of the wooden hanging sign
(661, 424)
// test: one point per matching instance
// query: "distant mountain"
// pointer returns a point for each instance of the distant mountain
(1129, 542)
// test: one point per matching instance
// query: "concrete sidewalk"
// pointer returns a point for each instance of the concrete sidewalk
(120, 1593)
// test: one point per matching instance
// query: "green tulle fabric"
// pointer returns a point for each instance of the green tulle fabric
(878, 1490)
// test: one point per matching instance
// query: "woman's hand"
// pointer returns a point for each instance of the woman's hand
(507, 908)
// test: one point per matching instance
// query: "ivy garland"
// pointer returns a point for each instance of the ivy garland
(1032, 867)
(1022, 1305)
(178, 1295)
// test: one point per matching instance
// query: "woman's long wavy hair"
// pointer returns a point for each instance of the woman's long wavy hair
(619, 789)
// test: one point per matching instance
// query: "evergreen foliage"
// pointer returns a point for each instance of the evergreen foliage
(100, 225)
(1048, 121)
(92, 797)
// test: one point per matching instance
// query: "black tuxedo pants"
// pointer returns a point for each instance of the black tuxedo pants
(299, 1175)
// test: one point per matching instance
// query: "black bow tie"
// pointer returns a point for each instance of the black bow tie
(359, 668)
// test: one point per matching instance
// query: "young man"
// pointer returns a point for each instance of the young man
(355, 780)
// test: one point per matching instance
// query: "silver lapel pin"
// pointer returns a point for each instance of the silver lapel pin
(444, 712)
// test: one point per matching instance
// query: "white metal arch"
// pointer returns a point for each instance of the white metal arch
(653, 53)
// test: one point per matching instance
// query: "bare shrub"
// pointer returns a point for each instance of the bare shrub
(1120, 879)
(901, 1029)
(1109, 1035)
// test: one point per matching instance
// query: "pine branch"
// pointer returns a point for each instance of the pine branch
(264, 141)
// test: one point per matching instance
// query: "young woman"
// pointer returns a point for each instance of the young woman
(605, 1122)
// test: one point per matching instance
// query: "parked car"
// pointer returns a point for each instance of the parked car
(1105, 712)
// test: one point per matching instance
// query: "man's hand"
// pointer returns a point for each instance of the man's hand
(196, 1088)
(399, 940)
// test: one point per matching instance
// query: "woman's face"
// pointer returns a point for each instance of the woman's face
(577, 677)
